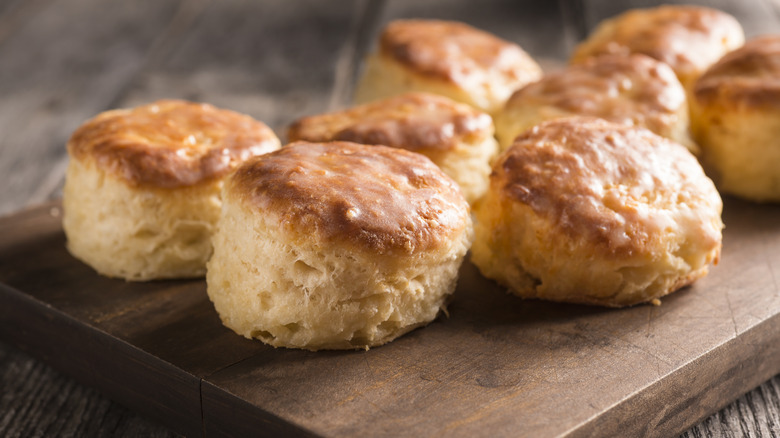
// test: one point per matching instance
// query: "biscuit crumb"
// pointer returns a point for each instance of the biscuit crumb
(655, 301)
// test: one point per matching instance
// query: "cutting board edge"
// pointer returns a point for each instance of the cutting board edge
(725, 379)
(148, 385)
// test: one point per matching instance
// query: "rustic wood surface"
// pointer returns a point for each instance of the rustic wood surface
(498, 366)
(62, 61)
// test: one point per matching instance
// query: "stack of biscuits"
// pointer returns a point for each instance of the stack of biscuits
(582, 185)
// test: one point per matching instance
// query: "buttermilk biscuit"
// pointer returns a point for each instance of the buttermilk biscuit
(688, 38)
(634, 90)
(736, 118)
(455, 136)
(586, 211)
(336, 245)
(142, 189)
(448, 58)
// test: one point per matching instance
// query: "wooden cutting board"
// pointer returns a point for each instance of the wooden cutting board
(498, 366)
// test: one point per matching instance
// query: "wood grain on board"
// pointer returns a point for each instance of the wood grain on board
(498, 364)
(66, 60)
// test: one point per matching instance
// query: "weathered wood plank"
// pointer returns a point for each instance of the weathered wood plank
(15, 13)
(497, 364)
(36, 400)
(525, 368)
(754, 414)
(55, 73)
(266, 59)
(123, 372)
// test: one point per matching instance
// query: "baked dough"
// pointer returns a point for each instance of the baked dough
(456, 137)
(583, 210)
(634, 90)
(736, 118)
(336, 245)
(448, 58)
(688, 38)
(142, 188)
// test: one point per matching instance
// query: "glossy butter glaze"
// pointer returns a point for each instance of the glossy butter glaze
(376, 197)
(419, 122)
(620, 187)
(170, 143)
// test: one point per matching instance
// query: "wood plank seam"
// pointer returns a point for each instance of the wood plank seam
(350, 56)
(365, 40)
(57, 321)
(575, 26)
(345, 58)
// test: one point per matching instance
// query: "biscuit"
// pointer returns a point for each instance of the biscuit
(582, 210)
(142, 188)
(687, 38)
(456, 137)
(634, 90)
(448, 58)
(336, 245)
(736, 119)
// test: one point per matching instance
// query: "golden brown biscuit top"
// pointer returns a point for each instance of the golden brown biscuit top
(634, 90)
(620, 187)
(375, 197)
(748, 76)
(688, 38)
(171, 143)
(418, 122)
(457, 53)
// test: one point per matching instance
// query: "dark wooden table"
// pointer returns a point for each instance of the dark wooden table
(62, 61)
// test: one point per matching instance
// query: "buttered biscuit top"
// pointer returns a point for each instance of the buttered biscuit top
(385, 199)
(688, 38)
(747, 77)
(447, 58)
(617, 186)
(634, 90)
(456, 137)
(418, 122)
(455, 52)
(170, 143)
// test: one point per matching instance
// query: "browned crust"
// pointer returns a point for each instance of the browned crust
(419, 122)
(454, 52)
(607, 183)
(633, 89)
(170, 143)
(748, 77)
(614, 302)
(377, 198)
(688, 38)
